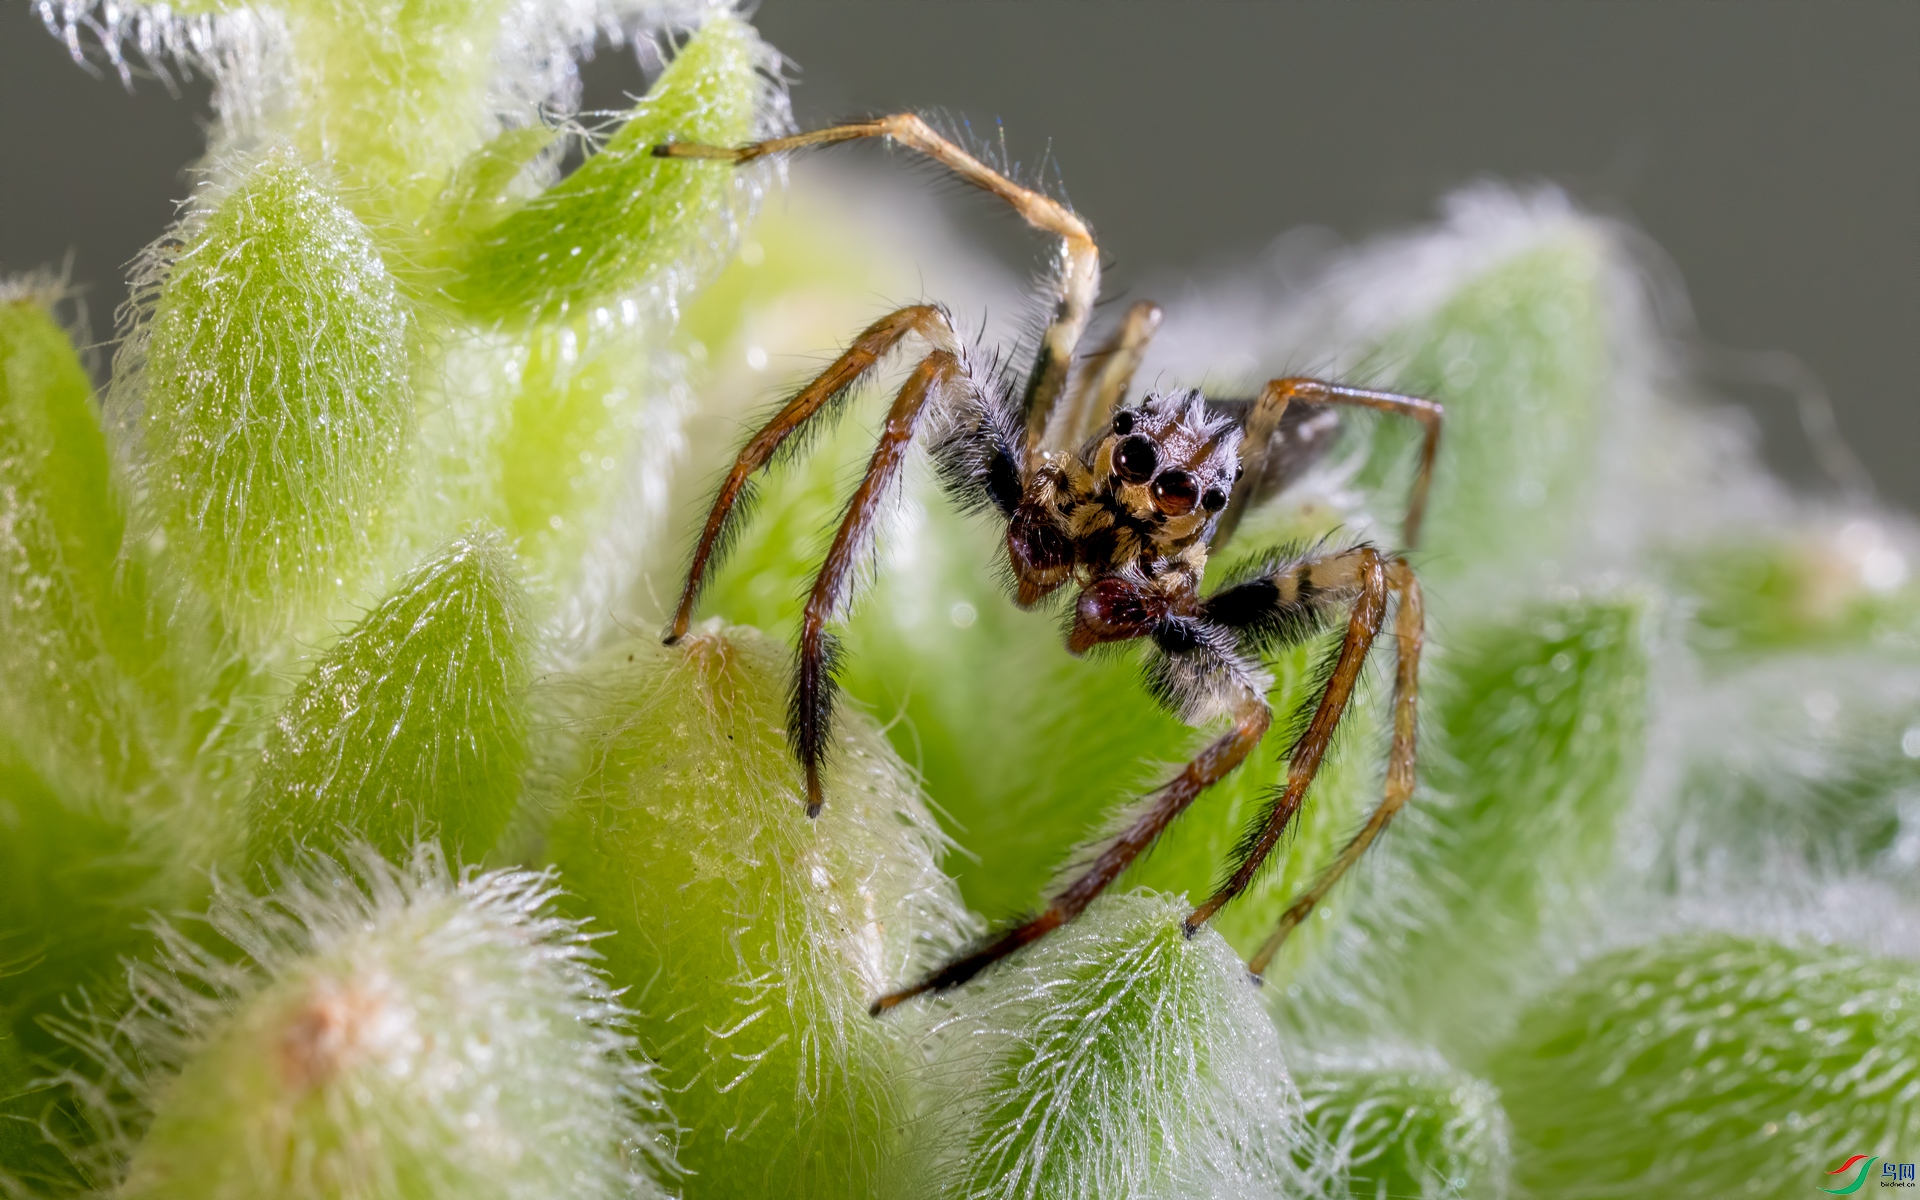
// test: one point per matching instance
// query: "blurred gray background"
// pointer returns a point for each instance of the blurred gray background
(1770, 148)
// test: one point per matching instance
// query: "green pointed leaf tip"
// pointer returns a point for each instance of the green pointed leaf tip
(1116, 1057)
(757, 937)
(415, 722)
(390, 1036)
(1430, 1134)
(275, 397)
(1532, 739)
(395, 93)
(1711, 1064)
(627, 221)
(1518, 353)
(72, 629)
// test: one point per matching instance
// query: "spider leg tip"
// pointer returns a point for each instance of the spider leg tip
(813, 809)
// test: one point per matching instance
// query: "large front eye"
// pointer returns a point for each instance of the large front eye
(1175, 492)
(1135, 458)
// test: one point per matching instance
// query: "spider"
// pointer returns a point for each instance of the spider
(1123, 500)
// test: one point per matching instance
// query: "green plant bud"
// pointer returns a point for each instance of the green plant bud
(1518, 353)
(1531, 743)
(1822, 590)
(73, 632)
(395, 93)
(275, 397)
(1711, 1064)
(757, 937)
(1807, 759)
(1409, 1132)
(626, 221)
(566, 440)
(389, 1034)
(414, 723)
(1117, 1057)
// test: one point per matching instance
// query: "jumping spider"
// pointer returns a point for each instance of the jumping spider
(1125, 501)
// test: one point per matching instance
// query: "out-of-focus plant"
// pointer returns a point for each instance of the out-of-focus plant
(328, 686)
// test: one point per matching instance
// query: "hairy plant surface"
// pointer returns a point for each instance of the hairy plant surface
(352, 571)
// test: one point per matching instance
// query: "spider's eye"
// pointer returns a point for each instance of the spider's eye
(1134, 459)
(1123, 422)
(1214, 500)
(1175, 492)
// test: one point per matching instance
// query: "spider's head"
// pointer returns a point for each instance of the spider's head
(1170, 464)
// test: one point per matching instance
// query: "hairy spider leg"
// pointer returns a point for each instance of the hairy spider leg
(1263, 420)
(1251, 719)
(1367, 570)
(810, 718)
(1409, 630)
(1105, 378)
(1078, 281)
(928, 320)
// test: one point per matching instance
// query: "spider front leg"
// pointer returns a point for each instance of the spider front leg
(1076, 285)
(810, 717)
(928, 320)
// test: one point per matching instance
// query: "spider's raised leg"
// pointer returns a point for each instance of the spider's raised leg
(1105, 379)
(1264, 451)
(1078, 282)
(810, 718)
(1370, 578)
(869, 348)
(1409, 631)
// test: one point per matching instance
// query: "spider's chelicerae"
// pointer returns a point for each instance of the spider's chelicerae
(1124, 500)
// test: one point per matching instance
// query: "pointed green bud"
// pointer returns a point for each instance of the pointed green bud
(1117, 1057)
(1414, 1130)
(757, 937)
(1531, 744)
(72, 625)
(388, 1033)
(413, 724)
(274, 397)
(627, 221)
(1711, 1064)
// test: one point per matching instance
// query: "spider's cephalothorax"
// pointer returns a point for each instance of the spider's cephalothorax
(1122, 501)
(1139, 498)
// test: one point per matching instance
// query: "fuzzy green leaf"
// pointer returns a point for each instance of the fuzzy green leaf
(275, 397)
(394, 1036)
(1406, 1132)
(628, 221)
(1710, 1064)
(414, 723)
(1118, 1057)
(1532, 742)
(73, 629)
(752, 937)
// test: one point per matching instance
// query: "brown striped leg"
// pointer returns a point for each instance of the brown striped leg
(810, 718)
(1078, 282)
(1409, 630)
(1264, 420)
(1363, 625)
(1250, 722)
(869, 348)
(1105, 379)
